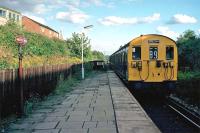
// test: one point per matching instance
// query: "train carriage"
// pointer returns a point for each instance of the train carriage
(147, 60)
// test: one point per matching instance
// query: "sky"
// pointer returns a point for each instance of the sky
(115, 22)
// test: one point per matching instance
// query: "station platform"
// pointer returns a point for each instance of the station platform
(100, 104)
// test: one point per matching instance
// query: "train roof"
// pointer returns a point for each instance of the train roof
(141, 36)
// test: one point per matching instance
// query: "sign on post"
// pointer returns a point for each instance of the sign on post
(21, 40)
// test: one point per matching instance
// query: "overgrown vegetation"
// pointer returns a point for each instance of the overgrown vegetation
(189, 51)
(41, 50)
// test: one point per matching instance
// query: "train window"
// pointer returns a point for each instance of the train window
(136, 53)
(169, 53)
(153, 53)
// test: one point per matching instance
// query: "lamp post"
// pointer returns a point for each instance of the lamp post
(82, 68)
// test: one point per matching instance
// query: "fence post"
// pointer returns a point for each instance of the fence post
(0, 102)
(1, 95)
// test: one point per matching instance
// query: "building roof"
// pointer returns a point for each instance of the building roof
(10, 9)
(41, 24)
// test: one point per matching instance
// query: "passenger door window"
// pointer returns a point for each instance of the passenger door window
(169, 53)
(136, 53)
(153, 53)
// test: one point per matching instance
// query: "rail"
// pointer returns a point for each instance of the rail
(189, 115)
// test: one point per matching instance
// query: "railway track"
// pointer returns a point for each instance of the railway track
(166, 118)
(189, 115)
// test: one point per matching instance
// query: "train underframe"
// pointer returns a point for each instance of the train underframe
(164, 88)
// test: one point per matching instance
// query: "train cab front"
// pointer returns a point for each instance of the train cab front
(153, 63)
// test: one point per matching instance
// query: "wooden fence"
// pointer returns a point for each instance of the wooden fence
(38, 81)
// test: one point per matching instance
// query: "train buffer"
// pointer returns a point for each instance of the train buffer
(100, 104)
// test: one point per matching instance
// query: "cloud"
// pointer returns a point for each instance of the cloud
(95, 2)
(28, 6)
(40, 9)
(150, 19)
(114, 20)
(39, 6)
(108, 4)
(167, 32)
(199, 31)
(182, 19)
(38, 19)
(76, 17)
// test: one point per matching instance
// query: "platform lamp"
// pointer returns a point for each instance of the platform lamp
(82, 68)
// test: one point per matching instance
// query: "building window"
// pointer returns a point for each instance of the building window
(153, 53)
(14, 17)
(2, 13)
(17, 17)
(10, 15)
(169, 53)
(50, 32)
(136, 53)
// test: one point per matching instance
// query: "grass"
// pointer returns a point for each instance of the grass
(188, 75)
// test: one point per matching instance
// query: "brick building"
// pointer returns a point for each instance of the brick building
(7, 14)
(34, 26)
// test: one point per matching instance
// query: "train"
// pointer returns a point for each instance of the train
(147, 61)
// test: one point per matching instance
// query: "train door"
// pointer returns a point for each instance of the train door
(154, 66)
(136, 63)
(124, 63)
(169, 67)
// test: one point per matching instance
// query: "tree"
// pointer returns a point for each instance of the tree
(98, 55)
(75, 45)
(189, 50)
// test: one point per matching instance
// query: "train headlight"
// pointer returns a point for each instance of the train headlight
(134, 64)
(158, 63)
(139, 65)
(165, 64)
(171, 64)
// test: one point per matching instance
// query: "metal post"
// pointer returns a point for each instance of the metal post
(20, 72)
(82, 58)
(21, 41)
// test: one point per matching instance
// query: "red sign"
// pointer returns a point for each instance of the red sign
(21, 40)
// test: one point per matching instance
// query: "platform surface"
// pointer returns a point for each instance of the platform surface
(100, 104)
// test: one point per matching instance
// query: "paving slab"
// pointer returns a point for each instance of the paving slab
(45, 125)
(70, 125)
(90, 124)
(46, 131)
(102, 130)
(74, 131)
